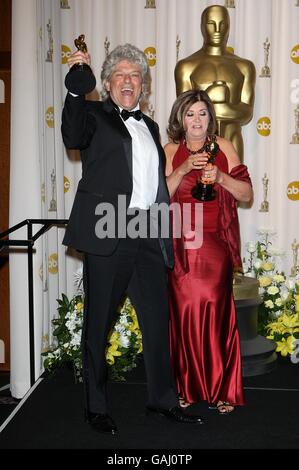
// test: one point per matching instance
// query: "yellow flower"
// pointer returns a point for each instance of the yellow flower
(286, 346)
(134, 325)
(291, 330)
(296, 302)
(278, 278)
(79, 307)
(114, 338)
(267, 266)
(265, 281)
(276, 327)
(289, 321)
(111, 352)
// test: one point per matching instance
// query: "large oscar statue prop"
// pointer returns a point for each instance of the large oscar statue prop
(204, 190)
(80, 78)
(228, 79)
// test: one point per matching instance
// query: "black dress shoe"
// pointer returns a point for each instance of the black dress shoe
(177, 414)
(101, 422)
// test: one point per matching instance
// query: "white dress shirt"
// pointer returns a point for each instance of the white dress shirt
(145, 164)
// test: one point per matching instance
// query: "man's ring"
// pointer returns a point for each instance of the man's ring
(193, 163)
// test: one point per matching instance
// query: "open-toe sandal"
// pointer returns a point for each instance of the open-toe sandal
(183, 403)
(224, 407)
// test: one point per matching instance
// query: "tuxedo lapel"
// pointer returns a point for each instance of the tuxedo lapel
(118, 125)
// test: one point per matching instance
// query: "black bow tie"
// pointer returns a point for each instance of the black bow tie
(135, 114)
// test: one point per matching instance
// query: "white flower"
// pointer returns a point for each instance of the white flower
(272, 290)
(258, 263)
(275, 314)
(284, 292)
(76, 340)
(251, 247)
(269, 304)
(124, 341)
(78, 281)
(120, 328)
(278, 302)
(250, 274)
(290, 283)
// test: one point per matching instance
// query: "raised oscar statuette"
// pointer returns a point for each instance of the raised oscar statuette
(80, 78)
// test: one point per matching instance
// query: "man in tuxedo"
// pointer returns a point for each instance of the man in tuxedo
(121, 158)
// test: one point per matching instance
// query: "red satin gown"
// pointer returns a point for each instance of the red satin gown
(205, 346)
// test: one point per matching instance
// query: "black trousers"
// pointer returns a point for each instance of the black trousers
(137, 268)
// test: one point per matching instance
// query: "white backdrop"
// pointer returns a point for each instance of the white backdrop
(44, 177)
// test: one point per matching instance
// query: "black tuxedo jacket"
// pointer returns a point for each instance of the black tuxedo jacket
(96, 129)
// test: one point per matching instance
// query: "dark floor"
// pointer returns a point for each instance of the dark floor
(52, 418)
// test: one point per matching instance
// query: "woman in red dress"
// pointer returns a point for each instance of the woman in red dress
(205, 345)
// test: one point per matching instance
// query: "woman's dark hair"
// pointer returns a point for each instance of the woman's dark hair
(182, 104)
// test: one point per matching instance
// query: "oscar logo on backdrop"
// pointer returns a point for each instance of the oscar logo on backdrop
(265, 72)
(151, 111)
(53, 203)
(106, 46)
(49, 56)
(265, 204)
(295, 136)
(228, 79)
(295, 248)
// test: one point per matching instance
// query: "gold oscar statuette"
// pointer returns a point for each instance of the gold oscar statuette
(80, 78)
(295, 136)
(265, 204)
(204, 190)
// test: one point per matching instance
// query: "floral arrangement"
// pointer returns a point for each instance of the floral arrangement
(278, 316)
(124, 342)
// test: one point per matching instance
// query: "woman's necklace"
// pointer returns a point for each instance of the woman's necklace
(194, 152)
